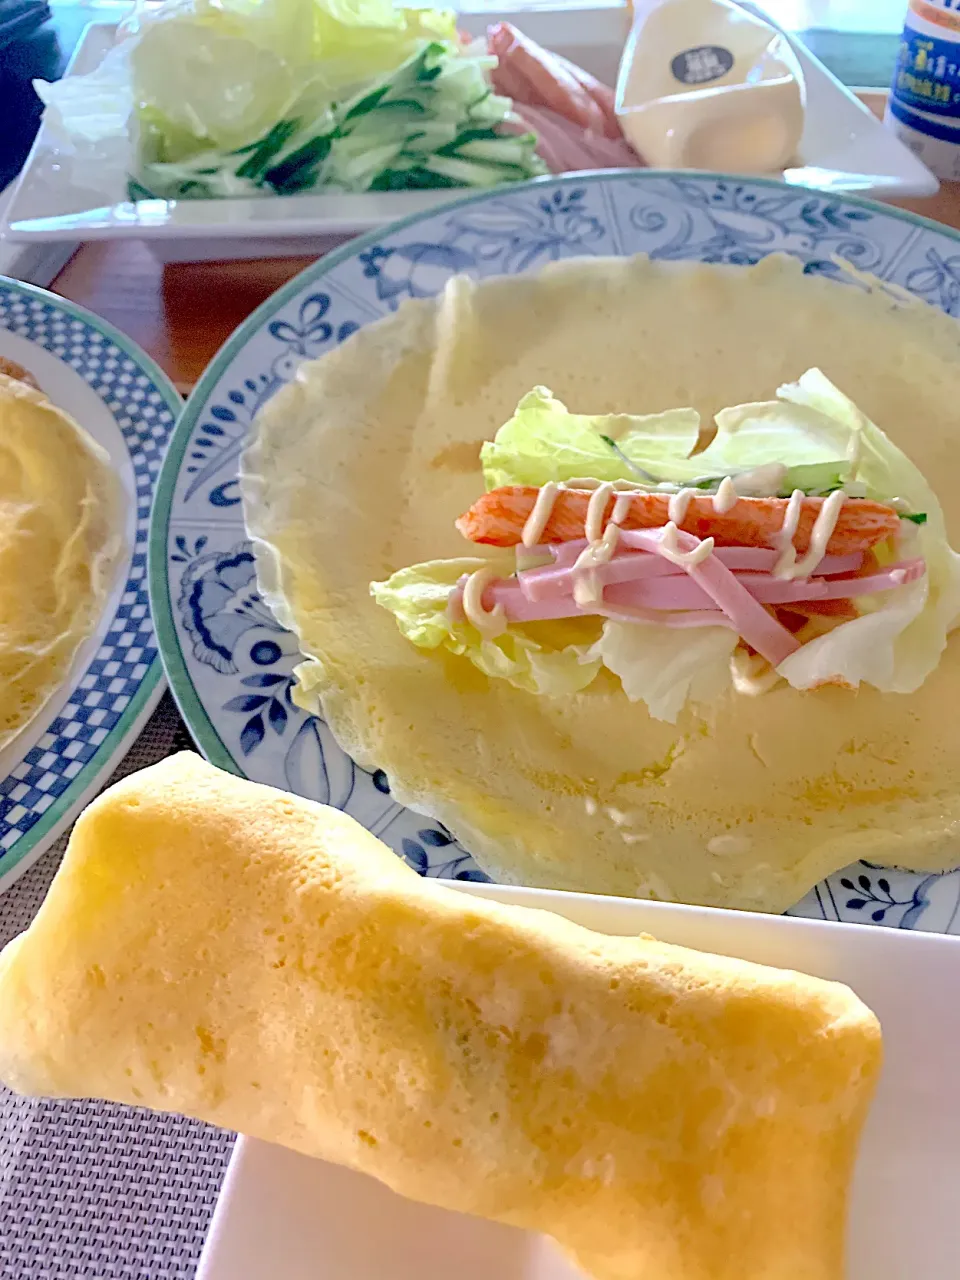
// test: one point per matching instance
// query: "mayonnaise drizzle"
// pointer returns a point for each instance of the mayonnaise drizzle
(670, 548)
(678, 504)
(783, 541)
(586, 588)
(601, 542)
(596, 510)
(536, 521)
(821, 534)
(726, 497)
(489, 622)
(621, 506)
(546, 500)
(788, 566)
(600, 491)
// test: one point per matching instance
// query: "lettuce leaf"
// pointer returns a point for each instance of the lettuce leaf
(543, 441)
(885, 470)
(540, 657)
(665, 667)
(202, 98)
(795, 435)
(894, 647)
(221, 75)
(659, 666)
(898, 641)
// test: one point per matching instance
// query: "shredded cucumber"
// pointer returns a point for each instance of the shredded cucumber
(433, 122)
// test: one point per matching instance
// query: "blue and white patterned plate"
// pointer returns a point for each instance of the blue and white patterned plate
(227, 659)
(119, 395)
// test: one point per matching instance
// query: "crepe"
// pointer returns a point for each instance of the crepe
(361, 466)
(60, 537)
(219, 948)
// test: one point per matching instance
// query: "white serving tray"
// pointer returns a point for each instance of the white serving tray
(843, 148)
(281, 1214)
(34, 262)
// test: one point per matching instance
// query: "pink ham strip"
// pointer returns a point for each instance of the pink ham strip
(677, 591)
(757, 627)
(666, 597)
(749, 558)
(566, 147)
(897, 575)
(602, 94)
(762, 632)
(561, 146)
(557, 579)
(683, 593)
(532, 76)
(518, 609)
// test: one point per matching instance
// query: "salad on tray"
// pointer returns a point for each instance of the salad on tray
(202, 99)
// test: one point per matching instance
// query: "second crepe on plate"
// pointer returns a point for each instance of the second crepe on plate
(259, 961)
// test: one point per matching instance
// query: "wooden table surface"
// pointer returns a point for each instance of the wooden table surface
(182, 313)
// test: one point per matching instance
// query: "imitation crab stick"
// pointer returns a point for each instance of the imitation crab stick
(498, 519)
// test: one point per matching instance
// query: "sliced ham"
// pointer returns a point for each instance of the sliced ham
(601, 93)
(571, 112)
(757, 627)
(557, 579)
(534, 77)
(731, 587)
(566, 147)
(562, 146)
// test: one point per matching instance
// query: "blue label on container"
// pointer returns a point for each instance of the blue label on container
(928, 73)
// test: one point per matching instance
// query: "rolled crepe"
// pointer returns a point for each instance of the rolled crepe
(222, 949)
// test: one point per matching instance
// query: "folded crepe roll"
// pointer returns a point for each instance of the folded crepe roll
(232, 952)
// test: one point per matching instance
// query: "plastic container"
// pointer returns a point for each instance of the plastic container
(924, 105)
(704, 84)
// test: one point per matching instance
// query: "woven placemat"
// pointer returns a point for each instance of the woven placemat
(88, 1190)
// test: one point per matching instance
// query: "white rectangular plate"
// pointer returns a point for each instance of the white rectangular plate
(285, 1215)
(843, 148)
(34, 263)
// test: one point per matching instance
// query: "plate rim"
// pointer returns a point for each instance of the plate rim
(108, 755)
(194, 714)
